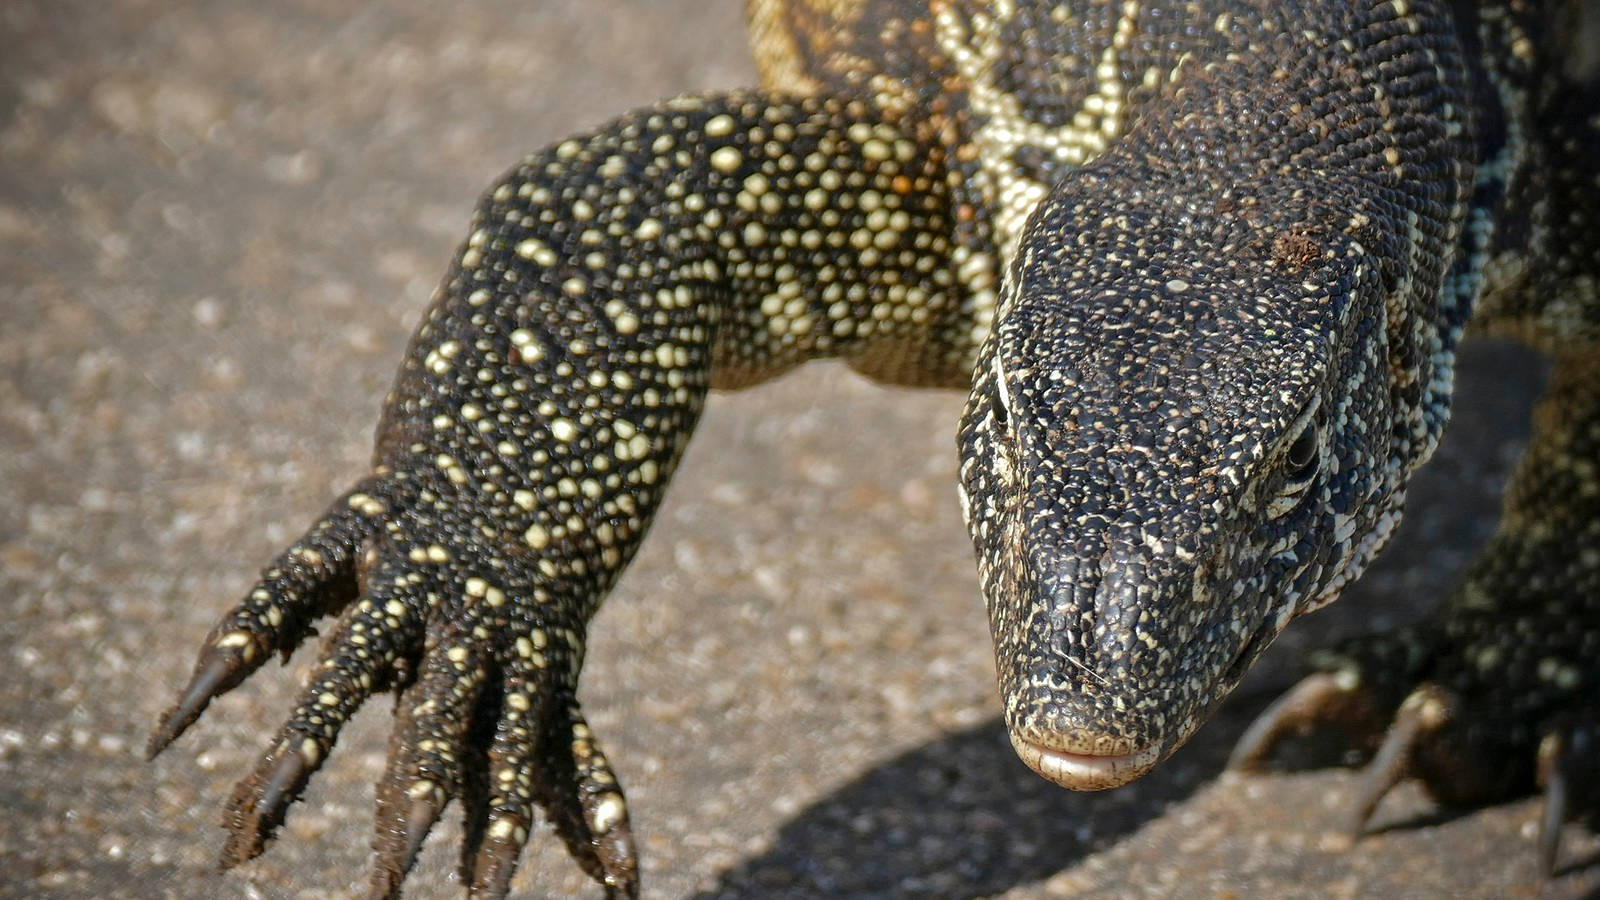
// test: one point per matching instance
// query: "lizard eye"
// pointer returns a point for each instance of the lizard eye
(1301, 458)
(1303, 453)
(1299, 462)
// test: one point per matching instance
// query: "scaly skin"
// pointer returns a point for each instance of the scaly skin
(1204, 268)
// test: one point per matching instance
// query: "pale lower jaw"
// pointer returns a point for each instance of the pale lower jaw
(1085, 772)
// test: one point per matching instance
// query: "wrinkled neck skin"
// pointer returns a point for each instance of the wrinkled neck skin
(1221, 348)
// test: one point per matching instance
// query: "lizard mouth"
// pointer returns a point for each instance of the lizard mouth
(1085, 771)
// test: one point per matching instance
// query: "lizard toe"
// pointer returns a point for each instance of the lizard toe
(1319, 699)
(1354, 691)
(1420, 720)
(369, 651)
(316, 576)
(586, 804)
(501, 814)
(429, 751)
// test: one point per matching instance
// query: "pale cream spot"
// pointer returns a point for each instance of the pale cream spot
(366, 505)
(536, 250)
(726, 159)
(537, 536)
(607, 813)
(452, 469)
(238, 640)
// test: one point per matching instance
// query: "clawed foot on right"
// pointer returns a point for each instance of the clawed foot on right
(1472, 734)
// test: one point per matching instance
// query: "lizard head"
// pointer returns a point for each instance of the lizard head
(1183, 432)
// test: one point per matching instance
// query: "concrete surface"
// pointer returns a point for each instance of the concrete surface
(218, 222)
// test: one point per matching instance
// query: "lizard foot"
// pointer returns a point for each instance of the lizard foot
(483, 653)
(1457, 721)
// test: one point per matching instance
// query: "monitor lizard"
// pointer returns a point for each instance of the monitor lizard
(1203, 267)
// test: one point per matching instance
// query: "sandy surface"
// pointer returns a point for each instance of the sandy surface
(219, 221)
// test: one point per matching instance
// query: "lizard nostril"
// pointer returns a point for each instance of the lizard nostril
(1247, 653)
(1002, 418)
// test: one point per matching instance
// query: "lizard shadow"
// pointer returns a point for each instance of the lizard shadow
(962, 817)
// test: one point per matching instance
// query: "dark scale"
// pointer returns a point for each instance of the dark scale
(1204, 267)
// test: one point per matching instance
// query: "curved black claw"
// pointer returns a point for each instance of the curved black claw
(403, 827)
(1320, 698)
(1553, 775)
(1421, 717)
(364, 654)
(1569, 771)
(220, 668)
(1354, 690)
(259, 802)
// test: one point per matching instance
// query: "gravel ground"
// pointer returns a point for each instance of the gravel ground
(219, 221)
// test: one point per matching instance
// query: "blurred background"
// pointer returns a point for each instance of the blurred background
(219, 221)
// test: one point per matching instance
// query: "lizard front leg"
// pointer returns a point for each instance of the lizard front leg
(543, 405)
